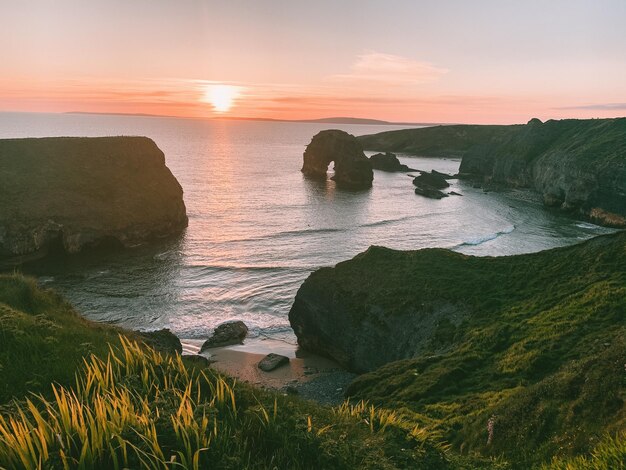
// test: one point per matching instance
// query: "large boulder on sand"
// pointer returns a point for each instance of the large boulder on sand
(226, 334)
(352, 168)
(272, 361)
(69, 193)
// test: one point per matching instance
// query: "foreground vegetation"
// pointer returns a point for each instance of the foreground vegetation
(141, 409)
(129, 406)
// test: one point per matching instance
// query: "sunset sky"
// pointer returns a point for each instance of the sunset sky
(478, 61)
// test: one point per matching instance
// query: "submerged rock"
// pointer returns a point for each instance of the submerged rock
(388, 162)
(352, 168)
(162, 340)
(272, 361)
(430, 192)
(70, 193)
(226, 334)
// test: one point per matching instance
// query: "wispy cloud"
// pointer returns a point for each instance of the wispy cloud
(598, 106)
(376, 67)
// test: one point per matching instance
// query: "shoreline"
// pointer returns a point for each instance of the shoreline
(307, 375)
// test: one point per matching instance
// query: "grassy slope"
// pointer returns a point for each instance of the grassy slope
(542, 350)
(436, 141)
(149, 406)
(42, 339)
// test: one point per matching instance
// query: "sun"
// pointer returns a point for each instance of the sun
(221, 97)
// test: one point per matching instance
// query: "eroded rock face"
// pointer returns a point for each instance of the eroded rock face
(577, 165)
(345, 313)
(70, 193)
(352, 168)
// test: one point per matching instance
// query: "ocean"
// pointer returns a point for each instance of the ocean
(258, 228)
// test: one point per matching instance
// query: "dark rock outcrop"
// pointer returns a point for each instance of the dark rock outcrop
(433, 179)
(430, 184)
(352, 168)
(388, 162)
(272, 361)
(71, 193)
(233, 332)
(577, 165)
(161, 340)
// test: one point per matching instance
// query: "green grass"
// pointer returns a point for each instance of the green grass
(42, 339)
(141, 409)
(81, 395)
(609, 454)
(435, 141)
(540, 348)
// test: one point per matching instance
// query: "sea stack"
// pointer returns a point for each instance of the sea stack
(71, 193)
(388, 162)
(352, 168)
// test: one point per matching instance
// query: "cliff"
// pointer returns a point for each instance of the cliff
(577, 165)
(534, 340)
(72, 193)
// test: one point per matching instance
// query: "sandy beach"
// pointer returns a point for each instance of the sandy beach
(307, 375)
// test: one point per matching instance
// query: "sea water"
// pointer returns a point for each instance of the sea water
(258, 228)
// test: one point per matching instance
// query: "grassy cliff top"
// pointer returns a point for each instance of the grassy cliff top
(539, 350)
(591, 138)
(87, 180)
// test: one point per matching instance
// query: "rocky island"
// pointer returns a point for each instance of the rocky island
(69, 193)
(353, 169)
(576, 165)
(388, 162)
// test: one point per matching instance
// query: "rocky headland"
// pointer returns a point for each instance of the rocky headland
(69, 193)
(533, 343)
(353, 169)
(577, 165)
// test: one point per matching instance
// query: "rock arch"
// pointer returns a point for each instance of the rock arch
(352, 168)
